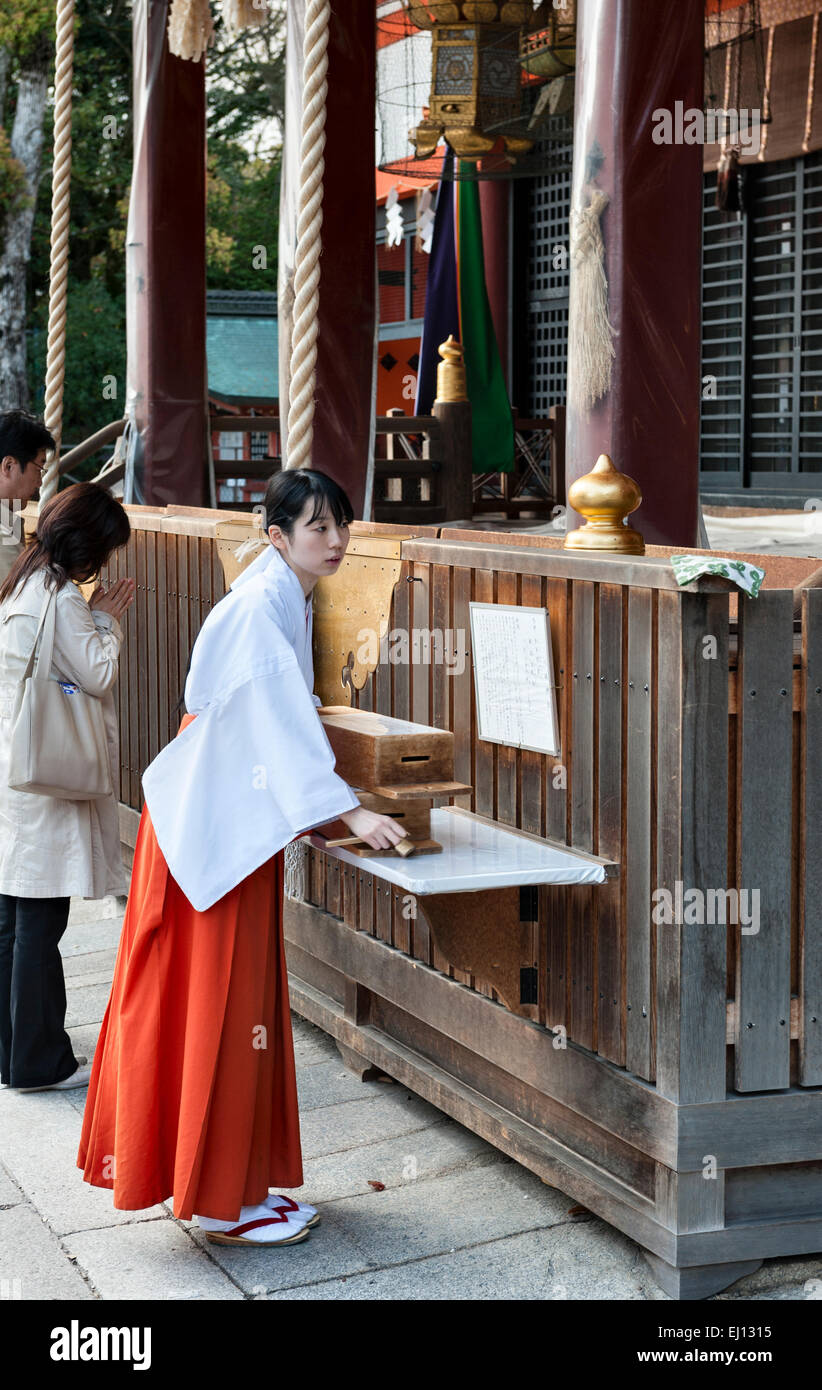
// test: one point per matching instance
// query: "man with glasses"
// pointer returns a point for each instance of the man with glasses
(23, 443)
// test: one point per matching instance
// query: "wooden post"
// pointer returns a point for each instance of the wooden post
(556, 415)
(166, 263)
(393, 486)
(456, 494)
(631, 64)
(692, 843)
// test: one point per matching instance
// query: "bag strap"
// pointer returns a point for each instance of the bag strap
(41, 666)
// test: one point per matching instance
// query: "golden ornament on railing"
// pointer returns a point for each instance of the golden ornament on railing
(451, 383)
(605, 497)
(476, 81)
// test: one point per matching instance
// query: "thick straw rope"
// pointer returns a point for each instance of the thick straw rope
(590, 333)
(58, 276)
(243, 14)
(190, 29)
(309, 225)
(307, 299)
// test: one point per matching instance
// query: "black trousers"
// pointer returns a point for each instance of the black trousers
(35, 1049)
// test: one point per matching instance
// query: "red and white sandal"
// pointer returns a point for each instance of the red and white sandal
(309, 1215)
(278, 1228)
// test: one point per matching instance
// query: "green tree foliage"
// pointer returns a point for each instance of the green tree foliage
(94, 389)
(243, 218)
(245, 78)
(100, 178)
(24, 24)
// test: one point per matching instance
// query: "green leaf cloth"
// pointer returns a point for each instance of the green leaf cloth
(689, 567)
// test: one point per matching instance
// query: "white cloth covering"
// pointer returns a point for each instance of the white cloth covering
(255, 768)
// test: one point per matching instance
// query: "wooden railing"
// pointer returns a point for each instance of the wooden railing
(433, 451)
(424, 477)
(536, 483)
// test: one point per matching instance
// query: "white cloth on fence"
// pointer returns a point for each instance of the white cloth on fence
(255, 768)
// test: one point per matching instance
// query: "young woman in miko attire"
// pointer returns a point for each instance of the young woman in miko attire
(193, 1088)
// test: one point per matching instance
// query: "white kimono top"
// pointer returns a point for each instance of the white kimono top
(255, 768)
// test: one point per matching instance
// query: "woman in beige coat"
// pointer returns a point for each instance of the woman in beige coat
(51, 848)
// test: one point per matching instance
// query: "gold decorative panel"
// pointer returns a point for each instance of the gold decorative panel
(352, 610)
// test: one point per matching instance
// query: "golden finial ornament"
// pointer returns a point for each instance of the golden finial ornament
(451, 383)
(605, 497)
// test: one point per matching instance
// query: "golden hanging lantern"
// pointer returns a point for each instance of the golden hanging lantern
(551, 49)
(476, 75)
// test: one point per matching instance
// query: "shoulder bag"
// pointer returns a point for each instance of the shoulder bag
(58, 739)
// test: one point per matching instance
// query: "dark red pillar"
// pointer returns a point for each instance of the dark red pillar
(166, 264)
(344, 395)
(634, 59)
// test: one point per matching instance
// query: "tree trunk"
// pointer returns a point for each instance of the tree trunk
(5, 64)
(27, 146)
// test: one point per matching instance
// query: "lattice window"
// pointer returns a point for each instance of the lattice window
(259, 445)
(549, 206)
(723, 319)
(761, 320)
(231, 445)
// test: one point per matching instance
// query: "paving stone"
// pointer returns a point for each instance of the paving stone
(10, 1194)
(94, 964)
(335, 1128)
(93, 910)
(97, 935)
(41, 1134)
(561, 1263)
(431, 1152)
(442, 1214)
(787, 1272)
(88, 979)
(329, 1083)
(311, 1044)
(84, 1041)
(795, 1292)
(33, 1265)
(155, 1260)
(86, 1004)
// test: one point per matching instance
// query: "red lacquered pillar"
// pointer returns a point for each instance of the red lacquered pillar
(634, 59)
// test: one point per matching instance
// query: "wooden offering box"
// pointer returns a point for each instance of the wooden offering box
(396, 767)
(391, 757)
(414, 815)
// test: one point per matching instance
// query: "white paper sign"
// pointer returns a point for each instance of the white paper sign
(514, 676)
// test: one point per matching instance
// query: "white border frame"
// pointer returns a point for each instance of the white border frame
(518, 608)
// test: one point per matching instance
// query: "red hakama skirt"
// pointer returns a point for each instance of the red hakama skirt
(193, 1091)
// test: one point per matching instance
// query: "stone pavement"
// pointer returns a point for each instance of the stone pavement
(456, 1219)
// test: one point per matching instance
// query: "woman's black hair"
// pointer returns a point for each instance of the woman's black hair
(288, 492)
(77, 530)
